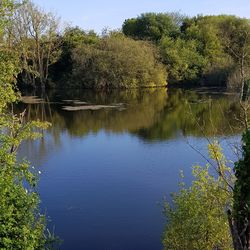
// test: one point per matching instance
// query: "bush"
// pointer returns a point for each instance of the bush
(21, 224)
(182, 59)
(197, 219)
(117, 62)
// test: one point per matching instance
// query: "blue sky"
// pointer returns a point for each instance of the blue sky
(97, 14)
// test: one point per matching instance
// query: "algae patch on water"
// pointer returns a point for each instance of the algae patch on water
(91, 107)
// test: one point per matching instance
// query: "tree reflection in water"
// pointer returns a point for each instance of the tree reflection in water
(150, 114)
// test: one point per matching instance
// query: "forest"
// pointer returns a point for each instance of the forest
(153, 49)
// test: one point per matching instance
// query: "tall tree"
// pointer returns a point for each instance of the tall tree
(71, 38)
(153, 26)
(35, 34)
(236, 39)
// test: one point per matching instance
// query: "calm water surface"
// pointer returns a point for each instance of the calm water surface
(109, 159)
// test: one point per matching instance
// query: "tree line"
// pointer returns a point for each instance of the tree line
(213, 50)
(152, 49)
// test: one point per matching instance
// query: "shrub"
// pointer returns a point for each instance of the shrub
(117, 62)
(198, 219)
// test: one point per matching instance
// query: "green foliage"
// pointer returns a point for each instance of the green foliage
(33, 34)
(203, 48)
(8, 60)
(199, 49)
(236, 41)
(21, 225)
(6, 10)
(212, 50)
(117, 62)
(241, 208)
(206, 31)
(183, 60)
(197, 217)
(153, 26)
(75, 36)
(8, 72)
(61, 70)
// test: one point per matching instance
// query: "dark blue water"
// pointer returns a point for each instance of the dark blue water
(105, 172)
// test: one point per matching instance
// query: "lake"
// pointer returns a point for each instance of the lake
(111, 158)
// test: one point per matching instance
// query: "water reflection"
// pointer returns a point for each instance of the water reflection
(155, 114)
(149, 114)
(190, 113)
(100, 180)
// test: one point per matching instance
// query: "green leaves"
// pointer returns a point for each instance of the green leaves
(200, 49)
(21, 225)
(241, 208)
(153, 26)
(116, 61)
(182, 58)
(197, 219)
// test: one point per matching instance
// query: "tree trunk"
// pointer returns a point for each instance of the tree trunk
(242, 78)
